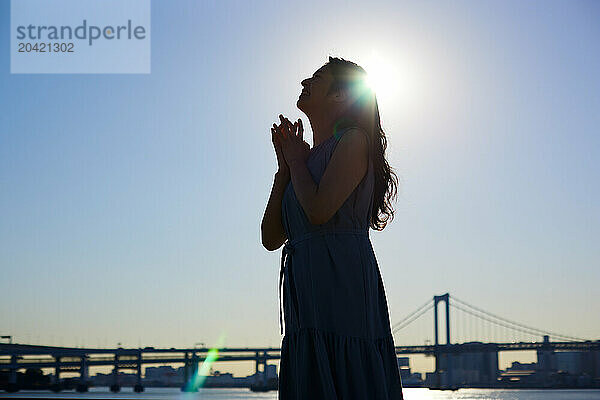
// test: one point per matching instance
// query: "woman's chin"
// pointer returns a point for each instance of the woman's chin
(301, 104)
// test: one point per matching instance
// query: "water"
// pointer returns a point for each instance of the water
(409, 394)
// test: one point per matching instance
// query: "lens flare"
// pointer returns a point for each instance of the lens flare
(199, 377)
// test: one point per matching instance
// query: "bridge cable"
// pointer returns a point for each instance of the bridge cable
(413, 313)
(553, 334)
(482, 318)
(408, 322)
(526, 330)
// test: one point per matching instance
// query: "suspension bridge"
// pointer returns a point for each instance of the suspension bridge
(472, 357)
(479, 336)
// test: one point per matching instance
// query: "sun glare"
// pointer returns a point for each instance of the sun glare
(380, 76)
(395, 82)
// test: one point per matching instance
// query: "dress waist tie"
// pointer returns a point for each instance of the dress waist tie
(288, 250)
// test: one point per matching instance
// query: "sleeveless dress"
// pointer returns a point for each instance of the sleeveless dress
(338, 342)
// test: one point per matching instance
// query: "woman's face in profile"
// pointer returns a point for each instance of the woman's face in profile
(314, 91)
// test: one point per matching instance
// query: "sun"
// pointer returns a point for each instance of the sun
(380, 76)
(396, 82)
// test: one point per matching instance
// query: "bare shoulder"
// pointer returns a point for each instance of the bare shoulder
(354, 141)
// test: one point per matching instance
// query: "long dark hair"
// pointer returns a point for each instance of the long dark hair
(364, 113)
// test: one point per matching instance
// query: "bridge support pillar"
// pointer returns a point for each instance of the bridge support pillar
(256, 363)
(56, 386)
(57, 370)
(12, 379)
(83, 386)
(260, 377)
(115, 387)
(13, 385)
(138, 388)
(261, 359)
(186, 371)
(265, 358)
(195, 364)
(190, 372)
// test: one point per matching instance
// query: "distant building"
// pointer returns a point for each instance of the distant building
(467, 369)
(518, 367)
(124, 379)
(408, 379)
(570, 361)
(271, 371)
(226, 379)
(555, 369)
(577, 363)
(164, 376)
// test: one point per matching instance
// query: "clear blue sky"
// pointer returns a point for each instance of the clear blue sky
(130, 205)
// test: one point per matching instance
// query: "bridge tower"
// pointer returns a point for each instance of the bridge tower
(437, 299)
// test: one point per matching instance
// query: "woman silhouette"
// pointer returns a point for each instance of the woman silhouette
(338, 342)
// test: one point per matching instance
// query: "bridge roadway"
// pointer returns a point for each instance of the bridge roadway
(23, 354)
(66, 359)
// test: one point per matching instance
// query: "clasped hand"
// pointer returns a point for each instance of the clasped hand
(289, 143)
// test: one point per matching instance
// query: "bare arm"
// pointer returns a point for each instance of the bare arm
(272, 232)
(271, 228)
(345, 170)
